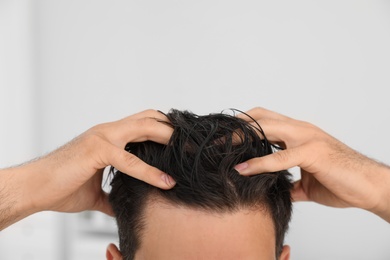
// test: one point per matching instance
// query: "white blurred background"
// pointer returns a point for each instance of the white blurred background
(68, 65)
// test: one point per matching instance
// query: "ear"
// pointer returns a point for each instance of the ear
(112, 253)
(285, 255)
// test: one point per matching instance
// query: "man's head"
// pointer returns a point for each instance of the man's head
(212, 212)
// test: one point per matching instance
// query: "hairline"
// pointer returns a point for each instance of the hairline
(153, 199)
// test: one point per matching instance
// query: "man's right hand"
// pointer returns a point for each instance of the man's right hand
(332, 173)
(69, 179)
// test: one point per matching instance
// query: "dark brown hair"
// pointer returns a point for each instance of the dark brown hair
(201, 156)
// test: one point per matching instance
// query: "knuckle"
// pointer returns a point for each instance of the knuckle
(256, 112)
(130, 160)
(258, 109)
(139, 171)
(147, 125)
(150, 112)
(283, 156)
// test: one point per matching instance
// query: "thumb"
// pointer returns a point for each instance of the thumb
(133, 166)
(277, 161)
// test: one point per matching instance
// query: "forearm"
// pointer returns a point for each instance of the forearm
(13, 202)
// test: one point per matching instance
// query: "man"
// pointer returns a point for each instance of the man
(212, 212)
(69, 179)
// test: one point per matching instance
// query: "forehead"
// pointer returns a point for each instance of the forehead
(173, 232)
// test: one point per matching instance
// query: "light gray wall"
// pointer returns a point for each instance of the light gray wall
(17, 108)
(324, 62)
(35, 237)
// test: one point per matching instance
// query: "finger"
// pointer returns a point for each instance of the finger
(148, 113)
(278, 161)
(260, 112)
(133, 166)
(142, 129)
(281, 131)
(238, 135)
(150, 129)
(298, 193)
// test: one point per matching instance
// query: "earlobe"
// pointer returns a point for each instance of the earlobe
(285, 255)
(113, 253)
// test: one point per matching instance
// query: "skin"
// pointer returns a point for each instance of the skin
(69, 179)
(174, 232)
(333, 174)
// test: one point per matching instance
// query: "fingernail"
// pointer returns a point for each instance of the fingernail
(168, 180)
(242, 166)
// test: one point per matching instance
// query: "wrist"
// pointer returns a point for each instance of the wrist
(33, 183)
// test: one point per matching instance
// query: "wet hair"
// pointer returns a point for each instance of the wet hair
(201, 156)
